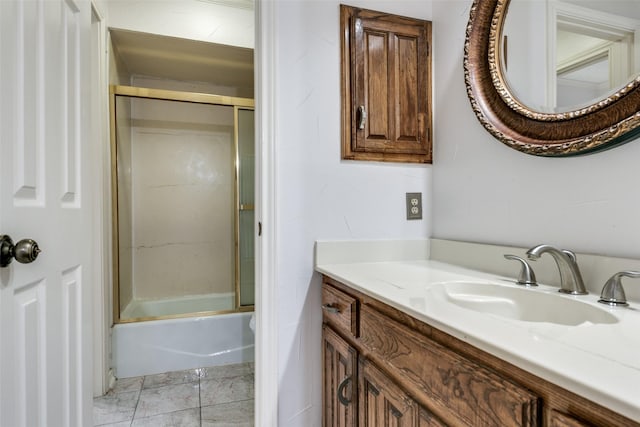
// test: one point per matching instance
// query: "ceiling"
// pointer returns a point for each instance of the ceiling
(184, 60)
(240, 4)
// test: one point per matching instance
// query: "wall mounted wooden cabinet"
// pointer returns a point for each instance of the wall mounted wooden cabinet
(386, 87)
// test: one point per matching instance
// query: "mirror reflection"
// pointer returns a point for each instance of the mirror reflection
(558, 56)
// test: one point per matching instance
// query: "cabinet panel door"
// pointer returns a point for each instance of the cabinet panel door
(390, 85)
(382, 403)
(339, 380)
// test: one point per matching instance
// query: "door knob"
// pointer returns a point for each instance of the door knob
(25, 251)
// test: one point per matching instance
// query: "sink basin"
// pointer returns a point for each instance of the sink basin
(528, 305)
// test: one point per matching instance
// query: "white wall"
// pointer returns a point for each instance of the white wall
(188, 19)
(318, 195)
(484, 191)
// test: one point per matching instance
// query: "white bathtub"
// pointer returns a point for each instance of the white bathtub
(179, 305)
(157, 346)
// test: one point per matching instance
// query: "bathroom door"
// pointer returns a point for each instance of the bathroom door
(45, 306)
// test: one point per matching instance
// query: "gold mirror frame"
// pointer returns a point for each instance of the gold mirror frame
(611, 121)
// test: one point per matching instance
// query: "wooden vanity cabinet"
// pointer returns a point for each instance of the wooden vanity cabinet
(381, 401)
(340, 359)
(340, 380)
(383, 368)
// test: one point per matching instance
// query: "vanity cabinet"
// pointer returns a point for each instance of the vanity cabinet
(355, 391)
(340, 359)
(411, 374)
(386, 87)
(381, 401)
(340, 380)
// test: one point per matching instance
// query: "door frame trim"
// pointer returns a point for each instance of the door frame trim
(266, 349)
(102, 375)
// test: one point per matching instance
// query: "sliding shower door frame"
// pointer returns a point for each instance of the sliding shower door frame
(170, 95)
(240, 207)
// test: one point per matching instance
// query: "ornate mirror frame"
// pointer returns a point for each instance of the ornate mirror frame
(611, 121)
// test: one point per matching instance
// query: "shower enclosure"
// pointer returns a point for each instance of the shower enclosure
(183, 194)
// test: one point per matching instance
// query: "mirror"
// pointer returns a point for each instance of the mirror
(555, 78)
(558, 56)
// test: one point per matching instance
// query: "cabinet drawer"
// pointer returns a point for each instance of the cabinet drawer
(340, 309)
(452, 386)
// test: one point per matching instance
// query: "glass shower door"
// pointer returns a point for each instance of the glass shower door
(183, 203)
(174, 208)
(246, 214)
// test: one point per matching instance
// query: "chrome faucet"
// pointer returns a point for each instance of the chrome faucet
(570, 277)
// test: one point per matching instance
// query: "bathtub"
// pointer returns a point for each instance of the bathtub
(178, 305)
(157, 346)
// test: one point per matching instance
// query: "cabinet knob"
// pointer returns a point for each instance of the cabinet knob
(361, 115)
(330, 308)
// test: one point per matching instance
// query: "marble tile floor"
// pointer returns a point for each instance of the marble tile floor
(220, 396)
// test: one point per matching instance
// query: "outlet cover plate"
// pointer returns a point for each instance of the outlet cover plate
(414, 206)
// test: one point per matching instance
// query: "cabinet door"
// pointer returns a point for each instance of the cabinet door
(339, 380)
(389, 113)
(381, 402)
(558, 419)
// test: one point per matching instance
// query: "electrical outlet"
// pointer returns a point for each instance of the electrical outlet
(414, 205)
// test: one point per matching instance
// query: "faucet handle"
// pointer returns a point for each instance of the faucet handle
(613, 292)
(527, 277)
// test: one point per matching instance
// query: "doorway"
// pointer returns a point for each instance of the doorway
(182, 197)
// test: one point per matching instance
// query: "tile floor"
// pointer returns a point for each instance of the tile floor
(218, 396)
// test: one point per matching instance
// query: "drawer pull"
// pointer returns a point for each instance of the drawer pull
(344, 400)
(330, 308)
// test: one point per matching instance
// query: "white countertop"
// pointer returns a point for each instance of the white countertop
(598, 361)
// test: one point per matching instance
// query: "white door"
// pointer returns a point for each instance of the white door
(45, 306)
